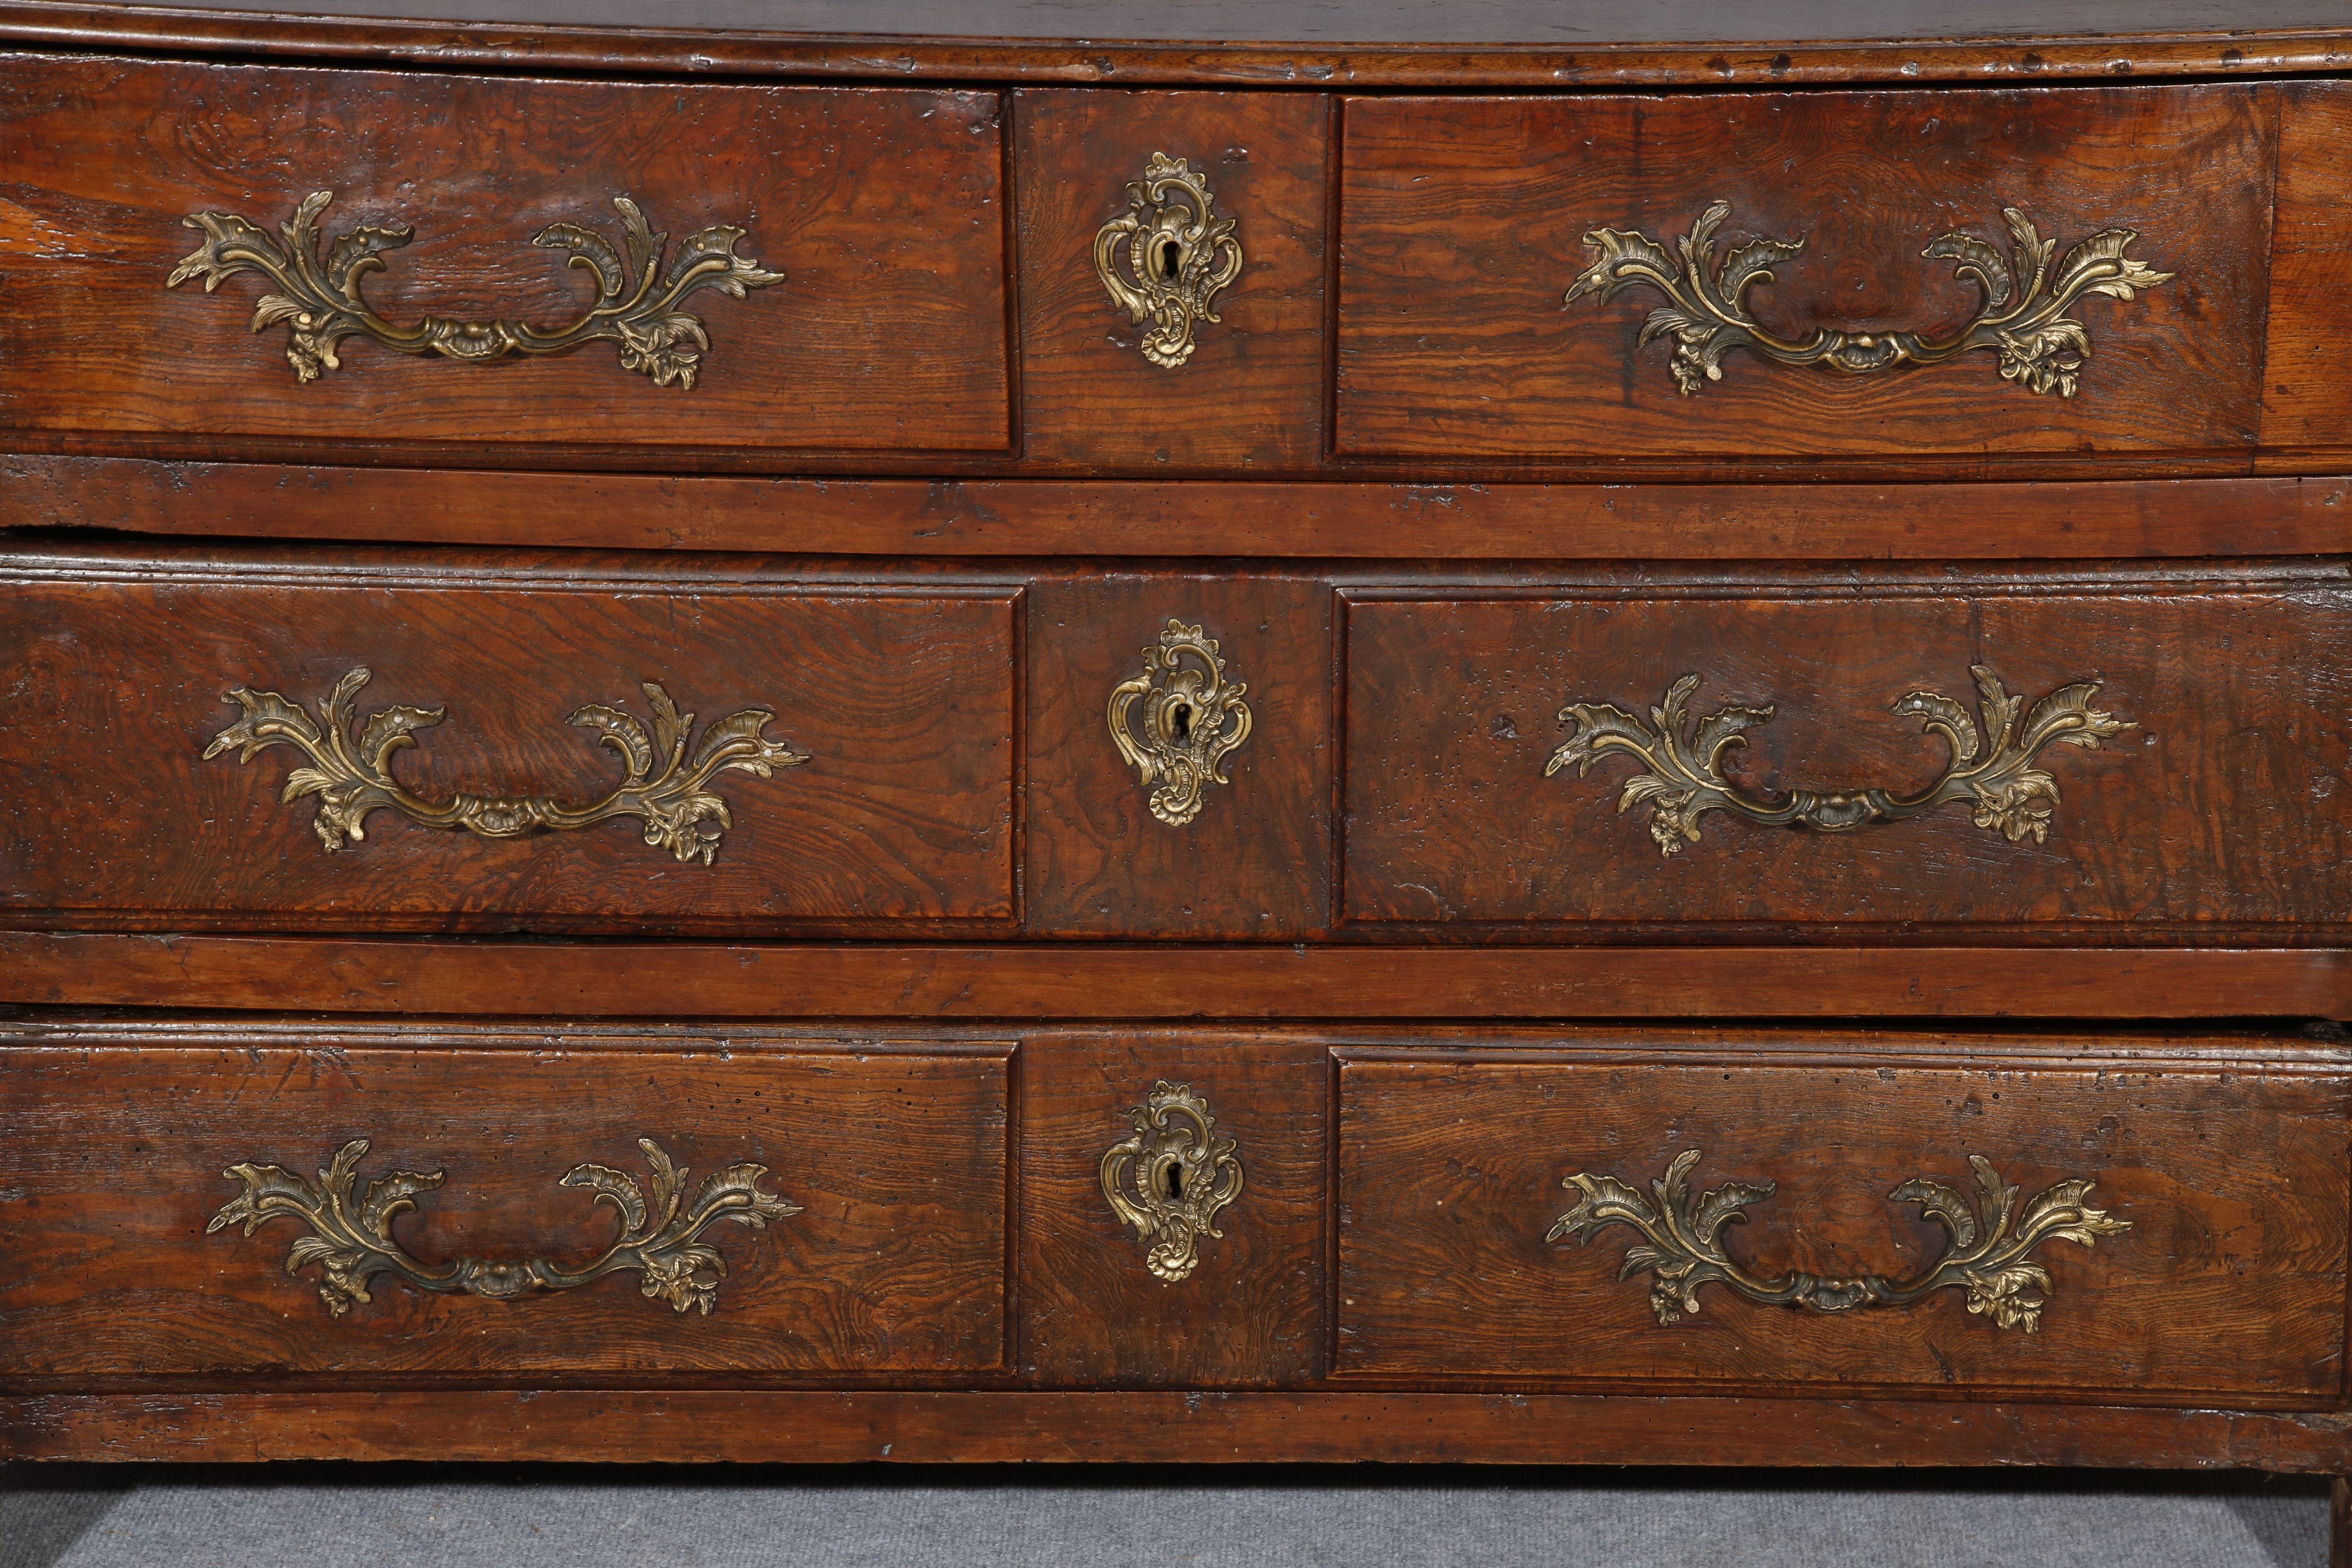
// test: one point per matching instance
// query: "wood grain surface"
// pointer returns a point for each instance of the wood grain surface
(2230, 1280)
(896, 1157)
(883, 209)
(2309, 358)
(1463, 222)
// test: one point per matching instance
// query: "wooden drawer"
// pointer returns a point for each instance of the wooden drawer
(744, 753)
(470, 1201)
(1602, 760)
(873, 316)
(1468, 222)
(2064, 1215)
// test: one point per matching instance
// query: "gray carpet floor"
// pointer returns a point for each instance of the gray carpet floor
(325, 1516)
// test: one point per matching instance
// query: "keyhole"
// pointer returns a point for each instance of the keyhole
(1176, 1181)
(1171, 256)
(1180, 725)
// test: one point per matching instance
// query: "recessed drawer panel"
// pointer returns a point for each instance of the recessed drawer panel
(2130, 760)
(494, 260)
(197, 1200)
(422, 743)
(1847, 1212)
(1832, 274)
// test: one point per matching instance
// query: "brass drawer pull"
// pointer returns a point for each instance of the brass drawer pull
(1180, 256)
(352, 775)
(1994, 775)
(352, 1243)
(1192, 720)
(637, 296)
(1989, 1239)
(1170, 1178)
(2022, 318)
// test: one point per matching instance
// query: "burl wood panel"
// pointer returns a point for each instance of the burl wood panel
(120, 663)
(1252, 394)
(2222, 812)
(116, 1151)
(1252, 1313)
(1462, 221)
(882, 208)
(2304, 404)
(1257, 861)
(2231, 1277)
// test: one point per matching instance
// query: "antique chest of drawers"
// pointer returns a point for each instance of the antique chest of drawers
(862, 742)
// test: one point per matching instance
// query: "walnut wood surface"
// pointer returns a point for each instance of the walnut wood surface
(1462, 221)
(2232, 1279)
(1251, 396)
(904, 702)
(2097, 521)
(1252, 1313)
(2220, 809)
(896, 1157)
(2310, 355)
(883, 208)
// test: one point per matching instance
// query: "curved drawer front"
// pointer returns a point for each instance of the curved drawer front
(2129, 760)
(1514, 282)
(1895, 1217)
(715, 267)
(430, 745)
(472, 1201)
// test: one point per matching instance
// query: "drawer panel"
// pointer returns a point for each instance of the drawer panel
(2218, 813)
(1465, 225)
(2212, 1196)
(876, 794)
(881, 209)
(128, 1253)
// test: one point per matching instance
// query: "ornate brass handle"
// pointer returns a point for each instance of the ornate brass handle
(1180, 256)
(1684, 755)
(1989, 1239)
(1170, 1177)
(352, 1243)
(352, 775)
(1192, 720)
(636, 304)
(2022, 318)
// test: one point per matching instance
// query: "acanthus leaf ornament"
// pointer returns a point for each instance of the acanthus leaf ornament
(1991, 769)
(1171, 1177)
(1168, 256)
(1990, 1236)
(351, 1234)
(1192, 720)
(637, 294)
(663, 786)
(2023, 316)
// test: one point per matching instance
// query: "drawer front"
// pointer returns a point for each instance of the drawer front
(258, 744)
(864, 307)
(2130, 1225)
(1750, 758)
(362, 1201)
(1467, 327)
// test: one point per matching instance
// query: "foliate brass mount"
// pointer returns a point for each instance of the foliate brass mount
(1192, 720)
(1168, 256)
(637, 294)
(352, 1237)
(1991, 1237)
(352, 775)
(1990, 768)
(1170, 1177)
(2022, 317)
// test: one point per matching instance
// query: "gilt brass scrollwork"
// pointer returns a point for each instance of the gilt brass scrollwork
(1179, 256)
(350, 1235)
(637, 294)
(1990, 1237)
(352, 770)
(1192, 720)
(1991, 769)
(2022, 317)
(1171, 1177)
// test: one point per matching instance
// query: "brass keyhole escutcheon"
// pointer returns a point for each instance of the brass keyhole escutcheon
(1167, 257)
(1177, 722)
(1170, 1177)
